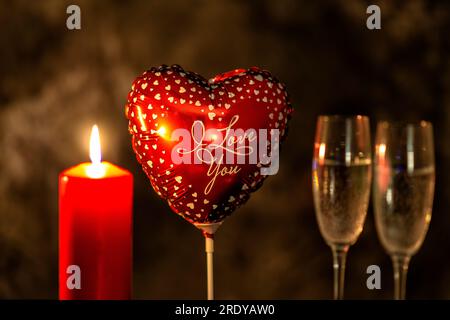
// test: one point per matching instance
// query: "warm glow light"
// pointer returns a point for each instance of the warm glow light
(96, 169)
(322, 149)
(381, 150)
(162, 131)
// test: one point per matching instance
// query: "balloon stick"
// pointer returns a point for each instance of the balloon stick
(208, 230)
(209, 249)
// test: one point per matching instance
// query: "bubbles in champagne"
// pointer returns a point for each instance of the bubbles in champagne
(341, 196)
(403, 202)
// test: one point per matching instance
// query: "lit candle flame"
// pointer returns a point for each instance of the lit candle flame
(96, 169)
(95, 150)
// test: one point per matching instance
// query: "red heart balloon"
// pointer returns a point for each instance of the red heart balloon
(165, 103)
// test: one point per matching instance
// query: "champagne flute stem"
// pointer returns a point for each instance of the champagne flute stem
(209, 249)
(339, 259)
(400, 263)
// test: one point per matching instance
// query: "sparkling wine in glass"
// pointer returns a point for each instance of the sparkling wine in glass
(403, 191)
(341, 180)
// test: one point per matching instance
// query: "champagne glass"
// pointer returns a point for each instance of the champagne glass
(342, 174)
(403, 192)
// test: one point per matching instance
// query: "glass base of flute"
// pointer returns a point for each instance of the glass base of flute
(339, 260)
(400, 263)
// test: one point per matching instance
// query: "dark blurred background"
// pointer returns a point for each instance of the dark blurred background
(55, 84)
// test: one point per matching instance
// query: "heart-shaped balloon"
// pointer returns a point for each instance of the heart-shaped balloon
(205, 145)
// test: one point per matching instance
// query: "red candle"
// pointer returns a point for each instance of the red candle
(95, 229)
